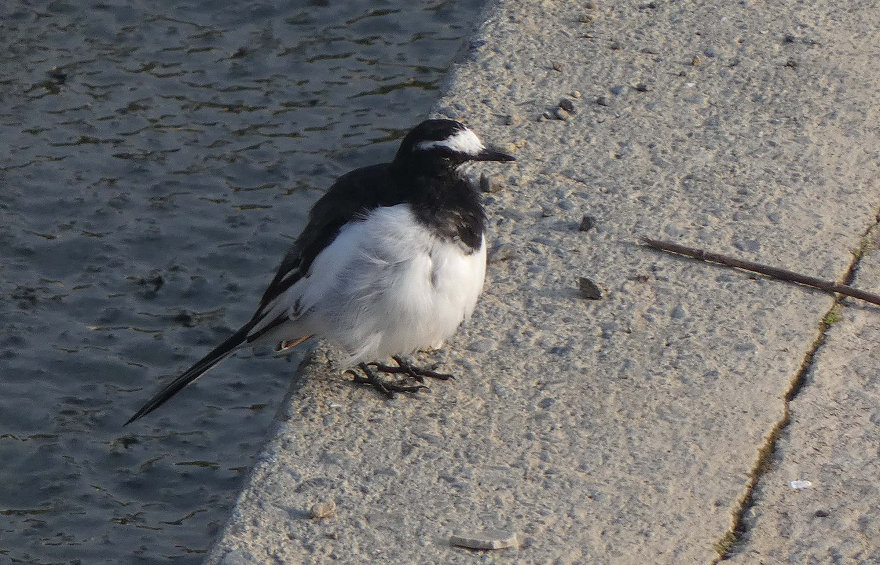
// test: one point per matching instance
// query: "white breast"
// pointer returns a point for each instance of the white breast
(387, 286)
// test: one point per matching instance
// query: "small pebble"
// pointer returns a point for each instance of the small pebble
(485, 540)
(641, 87)
(546, 403)
(618, 90)
(588, 289)
(800, 484)
(587, 223)
(321, 510)
(567, 105)
(602, 101)
(487, 185)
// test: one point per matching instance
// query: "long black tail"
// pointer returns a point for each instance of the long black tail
(215, 356)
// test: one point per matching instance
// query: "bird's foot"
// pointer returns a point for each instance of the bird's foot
(386, 388)
(403, 367)
(406, 367)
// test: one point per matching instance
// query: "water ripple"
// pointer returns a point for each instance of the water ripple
(160, 158)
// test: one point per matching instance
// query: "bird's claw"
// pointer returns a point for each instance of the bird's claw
(403, 367)
(407, 368)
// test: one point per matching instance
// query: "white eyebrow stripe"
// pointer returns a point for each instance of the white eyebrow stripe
(464, 141)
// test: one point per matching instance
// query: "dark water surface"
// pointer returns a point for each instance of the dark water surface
(158, 159)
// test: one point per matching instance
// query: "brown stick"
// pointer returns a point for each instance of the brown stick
(775, 272)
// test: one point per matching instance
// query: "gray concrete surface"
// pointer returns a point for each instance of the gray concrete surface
(639, 428)
(832, 441)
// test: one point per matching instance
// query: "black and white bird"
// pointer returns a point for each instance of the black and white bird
(392, 260)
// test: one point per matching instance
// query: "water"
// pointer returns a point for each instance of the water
(159, 158)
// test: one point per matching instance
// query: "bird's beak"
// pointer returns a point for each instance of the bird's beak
(491, 154)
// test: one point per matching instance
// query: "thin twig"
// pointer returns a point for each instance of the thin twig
(775, 272)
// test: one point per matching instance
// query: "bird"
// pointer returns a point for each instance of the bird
(392, 260)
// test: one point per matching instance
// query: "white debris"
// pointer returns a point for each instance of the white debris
(485, 540)
(800, 484)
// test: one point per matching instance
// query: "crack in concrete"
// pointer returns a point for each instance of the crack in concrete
(737, 535)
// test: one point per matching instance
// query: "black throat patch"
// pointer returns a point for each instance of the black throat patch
(450, 206)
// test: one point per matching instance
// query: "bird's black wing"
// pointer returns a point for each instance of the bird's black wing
(351, 195)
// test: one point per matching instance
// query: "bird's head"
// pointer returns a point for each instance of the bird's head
(445, 143)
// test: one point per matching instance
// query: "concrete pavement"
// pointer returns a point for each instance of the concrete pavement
(664, 422)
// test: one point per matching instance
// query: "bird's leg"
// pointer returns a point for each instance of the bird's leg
(386, 388)
(406, 367)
